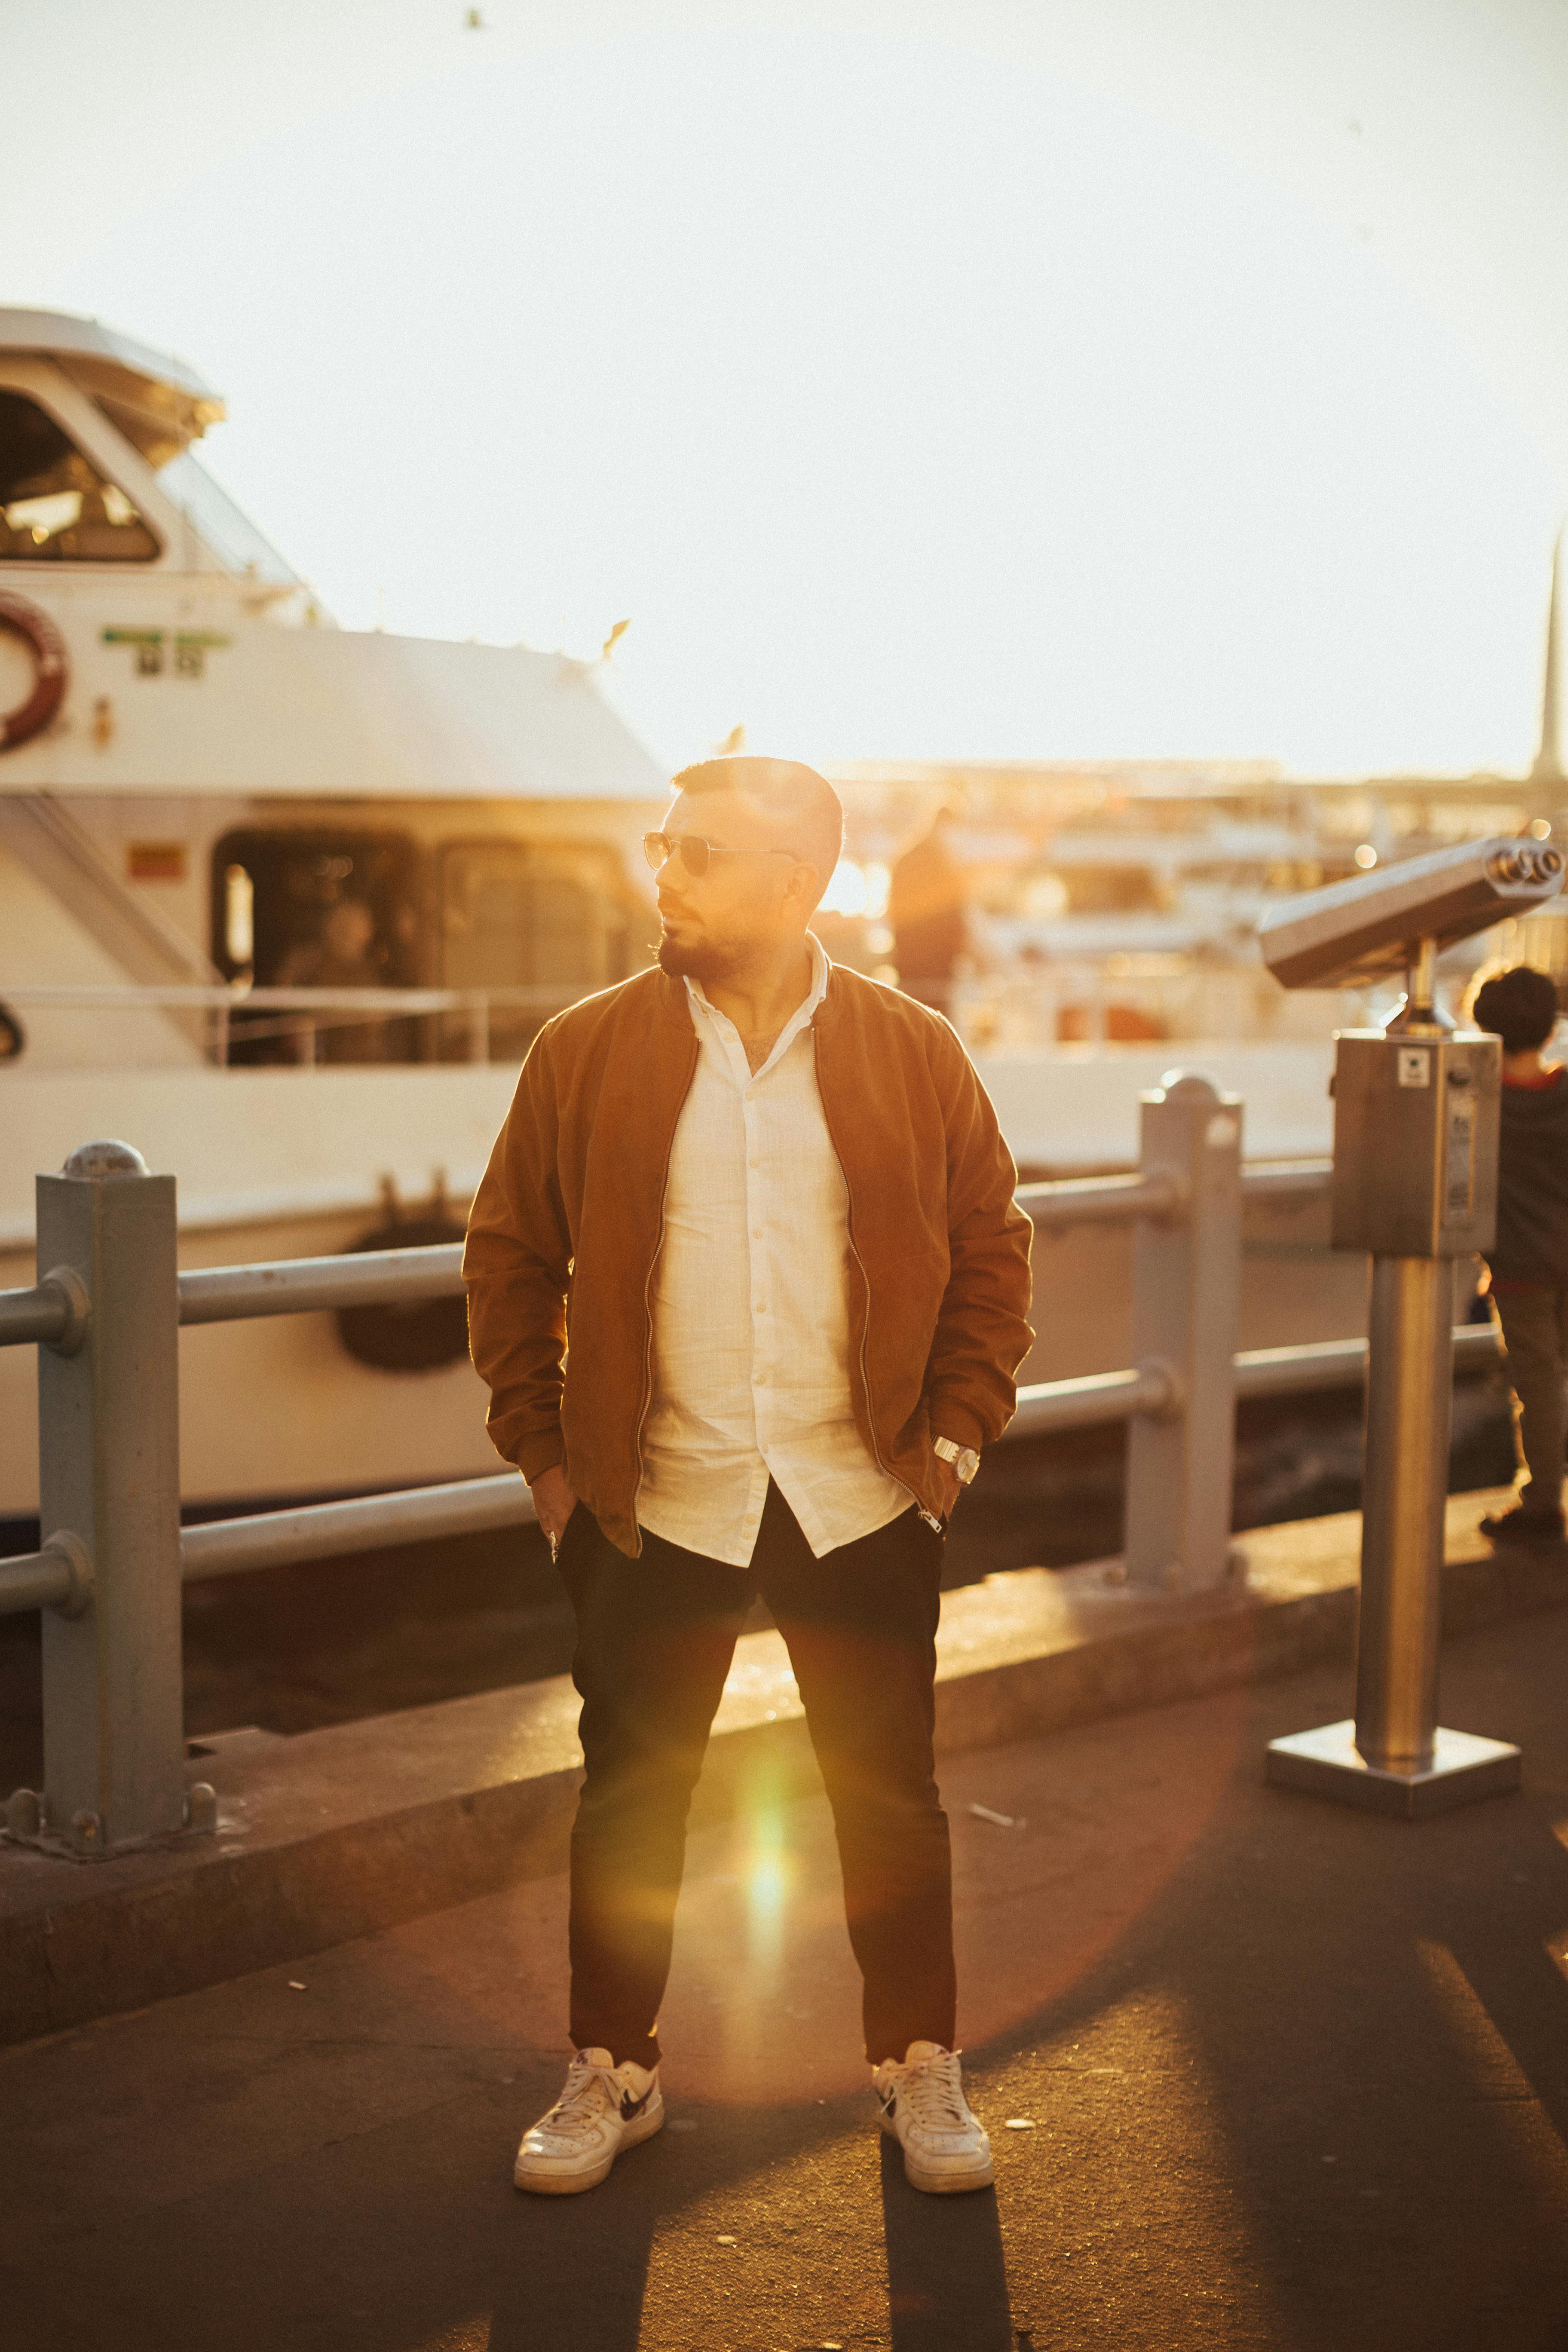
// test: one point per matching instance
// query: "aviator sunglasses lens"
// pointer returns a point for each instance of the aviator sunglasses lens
(692, 848)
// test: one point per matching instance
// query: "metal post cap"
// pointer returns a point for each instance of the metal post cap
(107, 1158)
(1183, 1086)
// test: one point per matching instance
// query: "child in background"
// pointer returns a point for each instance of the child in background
(1530, 1260)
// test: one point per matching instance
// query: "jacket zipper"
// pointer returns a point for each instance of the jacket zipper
(866, 1325)
(866, 1378)
(647, 1298)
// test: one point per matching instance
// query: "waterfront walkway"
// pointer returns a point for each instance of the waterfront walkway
(1296, 2078)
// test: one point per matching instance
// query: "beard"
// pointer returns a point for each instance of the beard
(702, 959)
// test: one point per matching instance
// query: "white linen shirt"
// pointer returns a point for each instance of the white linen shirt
(750, 1307)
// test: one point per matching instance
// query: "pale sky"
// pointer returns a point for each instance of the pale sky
(957, 378)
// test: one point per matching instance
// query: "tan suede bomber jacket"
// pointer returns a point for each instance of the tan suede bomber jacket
(567, 1223)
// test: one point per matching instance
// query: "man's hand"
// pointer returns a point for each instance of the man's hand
(554, 1502)
(948, 1480)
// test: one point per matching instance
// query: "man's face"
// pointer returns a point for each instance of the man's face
(716, 923)
(349, 929)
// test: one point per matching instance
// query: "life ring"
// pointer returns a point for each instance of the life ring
(51, 669)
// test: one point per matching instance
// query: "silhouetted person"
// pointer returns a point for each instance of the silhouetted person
(340, 957)
(1528, 1261)
(928, 906)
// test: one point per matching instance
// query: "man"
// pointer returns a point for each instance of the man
(768, 1203)
(1530, 1261)
(928, 904)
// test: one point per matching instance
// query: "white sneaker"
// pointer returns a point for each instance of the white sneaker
(603, 2109)
(945, 2145)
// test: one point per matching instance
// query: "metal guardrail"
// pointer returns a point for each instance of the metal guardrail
(41, 1313)
(468, 1507)
(1122, 1200)
(302, 1286)
(114, 1556)
(1342, 1363)
(473, 1506)
(38, 1580)
(1102, 1200)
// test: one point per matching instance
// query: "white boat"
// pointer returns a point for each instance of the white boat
(205, 787)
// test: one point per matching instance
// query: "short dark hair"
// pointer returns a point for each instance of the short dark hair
(1520, 1006)
(785, 789)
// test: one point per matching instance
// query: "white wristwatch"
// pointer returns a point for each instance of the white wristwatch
(964, 1458)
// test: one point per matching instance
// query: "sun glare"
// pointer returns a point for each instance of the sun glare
(919, 403)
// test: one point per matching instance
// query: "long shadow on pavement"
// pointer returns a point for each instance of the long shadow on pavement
(1376, 2037)
(947, 2281)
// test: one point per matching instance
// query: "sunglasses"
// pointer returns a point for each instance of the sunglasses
(694, 852)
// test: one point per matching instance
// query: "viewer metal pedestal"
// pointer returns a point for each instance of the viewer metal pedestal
(1415, 1177)
(1328, 1763)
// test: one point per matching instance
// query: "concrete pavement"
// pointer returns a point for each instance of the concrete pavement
(1295, 2078)
(342, 1831)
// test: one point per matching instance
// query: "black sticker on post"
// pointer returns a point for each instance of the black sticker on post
(1460, 1158)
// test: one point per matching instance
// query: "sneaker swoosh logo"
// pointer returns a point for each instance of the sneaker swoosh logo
(631, 2107)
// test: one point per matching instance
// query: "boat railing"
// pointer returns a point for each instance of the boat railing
(1083, 1003)
(300, 1019)
(106, 1315)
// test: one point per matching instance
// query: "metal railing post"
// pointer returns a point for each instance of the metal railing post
(1186, 1284)
(110, 1479)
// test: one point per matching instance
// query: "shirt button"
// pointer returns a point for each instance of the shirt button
(756, 1230)
(756, 1163)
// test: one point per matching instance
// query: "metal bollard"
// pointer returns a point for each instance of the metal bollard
(1186, 1286)
(109, 1478)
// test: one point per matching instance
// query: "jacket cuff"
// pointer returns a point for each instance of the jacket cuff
(949, 1418)
(535, 1455)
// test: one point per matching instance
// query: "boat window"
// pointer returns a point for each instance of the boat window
(556, 918)
(227, 527)
(293, 908)
(238, 918)
(54, 505)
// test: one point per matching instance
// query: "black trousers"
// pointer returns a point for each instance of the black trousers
(655, 1638)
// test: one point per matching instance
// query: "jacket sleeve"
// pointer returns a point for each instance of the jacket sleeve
(517, 1263)
(982, 1331)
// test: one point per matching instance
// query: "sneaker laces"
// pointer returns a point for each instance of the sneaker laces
(933, 2090)
(589, 2090)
